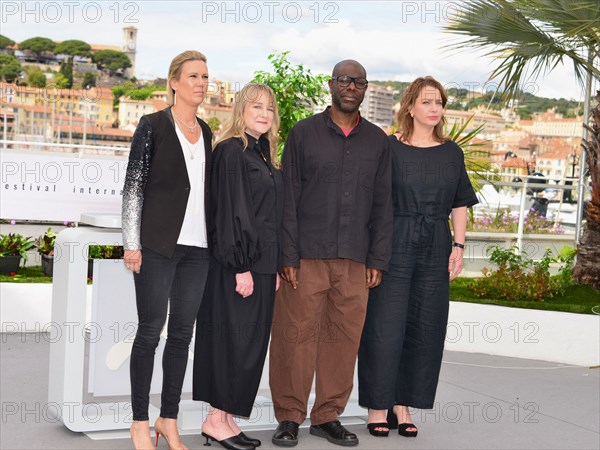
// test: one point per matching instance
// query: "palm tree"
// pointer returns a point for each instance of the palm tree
(588, 253)
(530, 38)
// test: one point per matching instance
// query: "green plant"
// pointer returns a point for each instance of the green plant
(476, 167)
(106, 252)
(566, 256)
(520, 278)
(45, 243)
(214, 124)
(296, 90)
(14, 244)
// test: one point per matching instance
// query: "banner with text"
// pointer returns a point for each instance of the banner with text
(55, 186)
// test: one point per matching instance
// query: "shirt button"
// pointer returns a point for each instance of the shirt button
(347, 172)
(347, 152)
(346, 194)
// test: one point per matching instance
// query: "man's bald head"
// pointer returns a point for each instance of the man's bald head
(342, 66)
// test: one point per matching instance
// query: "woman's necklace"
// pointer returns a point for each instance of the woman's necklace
(192, 128)
(190, 146)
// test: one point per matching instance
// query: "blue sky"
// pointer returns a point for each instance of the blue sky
(396, 40)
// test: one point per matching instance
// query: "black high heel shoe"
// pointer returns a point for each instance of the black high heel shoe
(244, 437)
(232, 443)
(372, 427)
(403, 427)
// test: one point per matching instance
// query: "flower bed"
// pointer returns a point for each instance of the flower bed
(505, 221)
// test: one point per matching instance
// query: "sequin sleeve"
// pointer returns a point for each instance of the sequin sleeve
(135, 182)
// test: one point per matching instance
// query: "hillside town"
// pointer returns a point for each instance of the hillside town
(106, 111)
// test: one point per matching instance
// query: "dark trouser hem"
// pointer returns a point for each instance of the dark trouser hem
(141, 419)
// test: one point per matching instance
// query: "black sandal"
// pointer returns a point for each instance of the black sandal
(402, 427)
(378, 433)
(403, 430)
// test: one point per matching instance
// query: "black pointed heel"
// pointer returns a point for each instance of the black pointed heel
(232, 443)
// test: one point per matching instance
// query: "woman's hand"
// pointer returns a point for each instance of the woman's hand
(244, 284)
(277, 282)
(133, 260)
(455, 264)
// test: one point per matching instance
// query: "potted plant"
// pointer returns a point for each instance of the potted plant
(13, 248)
(103, 252)
(45, 246)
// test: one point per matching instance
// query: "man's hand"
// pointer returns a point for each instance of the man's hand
(373, 278)
(289, 274)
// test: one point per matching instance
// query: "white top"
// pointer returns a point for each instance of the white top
(193, 230)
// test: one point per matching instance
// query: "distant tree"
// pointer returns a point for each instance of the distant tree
(111, 60)
(214, 123)
(5, 42)
(133, 92)
(37, 45)
(294, 88)
(72, 48)
(66, 70)
(61, 82)
(89, 80)
(10, 67)
(37, 79)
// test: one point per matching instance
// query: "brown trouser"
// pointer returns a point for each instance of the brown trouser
(317, 329)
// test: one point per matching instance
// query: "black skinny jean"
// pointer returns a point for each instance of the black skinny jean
(179, 281)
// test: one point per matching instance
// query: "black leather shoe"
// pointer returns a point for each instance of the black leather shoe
(286, 434)
(244, 437)
(335, 433)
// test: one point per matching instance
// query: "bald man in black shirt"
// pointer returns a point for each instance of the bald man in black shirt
(337, 236)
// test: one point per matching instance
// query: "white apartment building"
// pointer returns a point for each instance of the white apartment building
(130, 111)
(377, 106)
(558, 165)
(494, 123)
(551, 124)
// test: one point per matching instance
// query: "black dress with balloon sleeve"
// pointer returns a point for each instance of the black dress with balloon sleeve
(232, 332)
(403, 339)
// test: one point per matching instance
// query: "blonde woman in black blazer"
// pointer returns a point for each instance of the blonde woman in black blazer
(165, 199)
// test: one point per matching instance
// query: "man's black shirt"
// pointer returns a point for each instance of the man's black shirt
(337, 193)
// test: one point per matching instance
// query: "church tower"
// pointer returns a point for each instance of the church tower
(130, 48)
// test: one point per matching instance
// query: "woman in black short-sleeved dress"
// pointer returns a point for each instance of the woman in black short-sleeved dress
(403, 339)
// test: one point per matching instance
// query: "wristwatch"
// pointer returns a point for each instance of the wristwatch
(459, 245)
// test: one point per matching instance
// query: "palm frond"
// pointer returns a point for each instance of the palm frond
(530, 37)
(477, 171)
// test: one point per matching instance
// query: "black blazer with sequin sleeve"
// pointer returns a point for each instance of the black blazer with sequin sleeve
(157, 186)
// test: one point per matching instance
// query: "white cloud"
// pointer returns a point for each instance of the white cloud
(390, 39)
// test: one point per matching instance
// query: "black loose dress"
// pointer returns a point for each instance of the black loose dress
(232, 332)
(403, 339)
